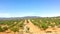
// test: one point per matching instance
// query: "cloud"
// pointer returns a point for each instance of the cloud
(7, 15)
(4, 15)
(50, 15)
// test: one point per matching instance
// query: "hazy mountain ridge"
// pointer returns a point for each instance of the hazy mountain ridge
(26, 17)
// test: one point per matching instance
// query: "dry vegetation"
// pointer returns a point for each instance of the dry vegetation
(46, 25)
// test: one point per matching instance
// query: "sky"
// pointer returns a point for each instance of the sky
(21, 8)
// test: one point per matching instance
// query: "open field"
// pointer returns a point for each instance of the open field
(45, 25)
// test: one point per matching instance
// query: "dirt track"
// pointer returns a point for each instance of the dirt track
(32, 28)
(35, 30)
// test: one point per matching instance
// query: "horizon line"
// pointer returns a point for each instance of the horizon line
(28, 16)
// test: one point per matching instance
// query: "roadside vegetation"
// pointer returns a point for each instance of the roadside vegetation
(44, 23)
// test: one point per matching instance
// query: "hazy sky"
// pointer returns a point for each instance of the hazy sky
(20, 8)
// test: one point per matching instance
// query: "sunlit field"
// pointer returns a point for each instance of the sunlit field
(38, 25)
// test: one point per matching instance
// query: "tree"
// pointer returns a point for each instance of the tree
(5, 28)
(44, 26)
(1, 29)
(15, 30)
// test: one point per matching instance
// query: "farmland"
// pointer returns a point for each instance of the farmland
(30, 25)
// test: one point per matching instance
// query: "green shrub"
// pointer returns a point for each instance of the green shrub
(5, 28)
(15, 29)
(1, 29)
(44, 26)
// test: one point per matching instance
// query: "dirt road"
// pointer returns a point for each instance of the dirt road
(35, 30)
(32, 28)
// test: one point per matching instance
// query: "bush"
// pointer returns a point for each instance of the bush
(15, 29)
(1, 29)
(44, 26)
(5, 28)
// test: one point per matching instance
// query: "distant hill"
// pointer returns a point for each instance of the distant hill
(26, 17)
